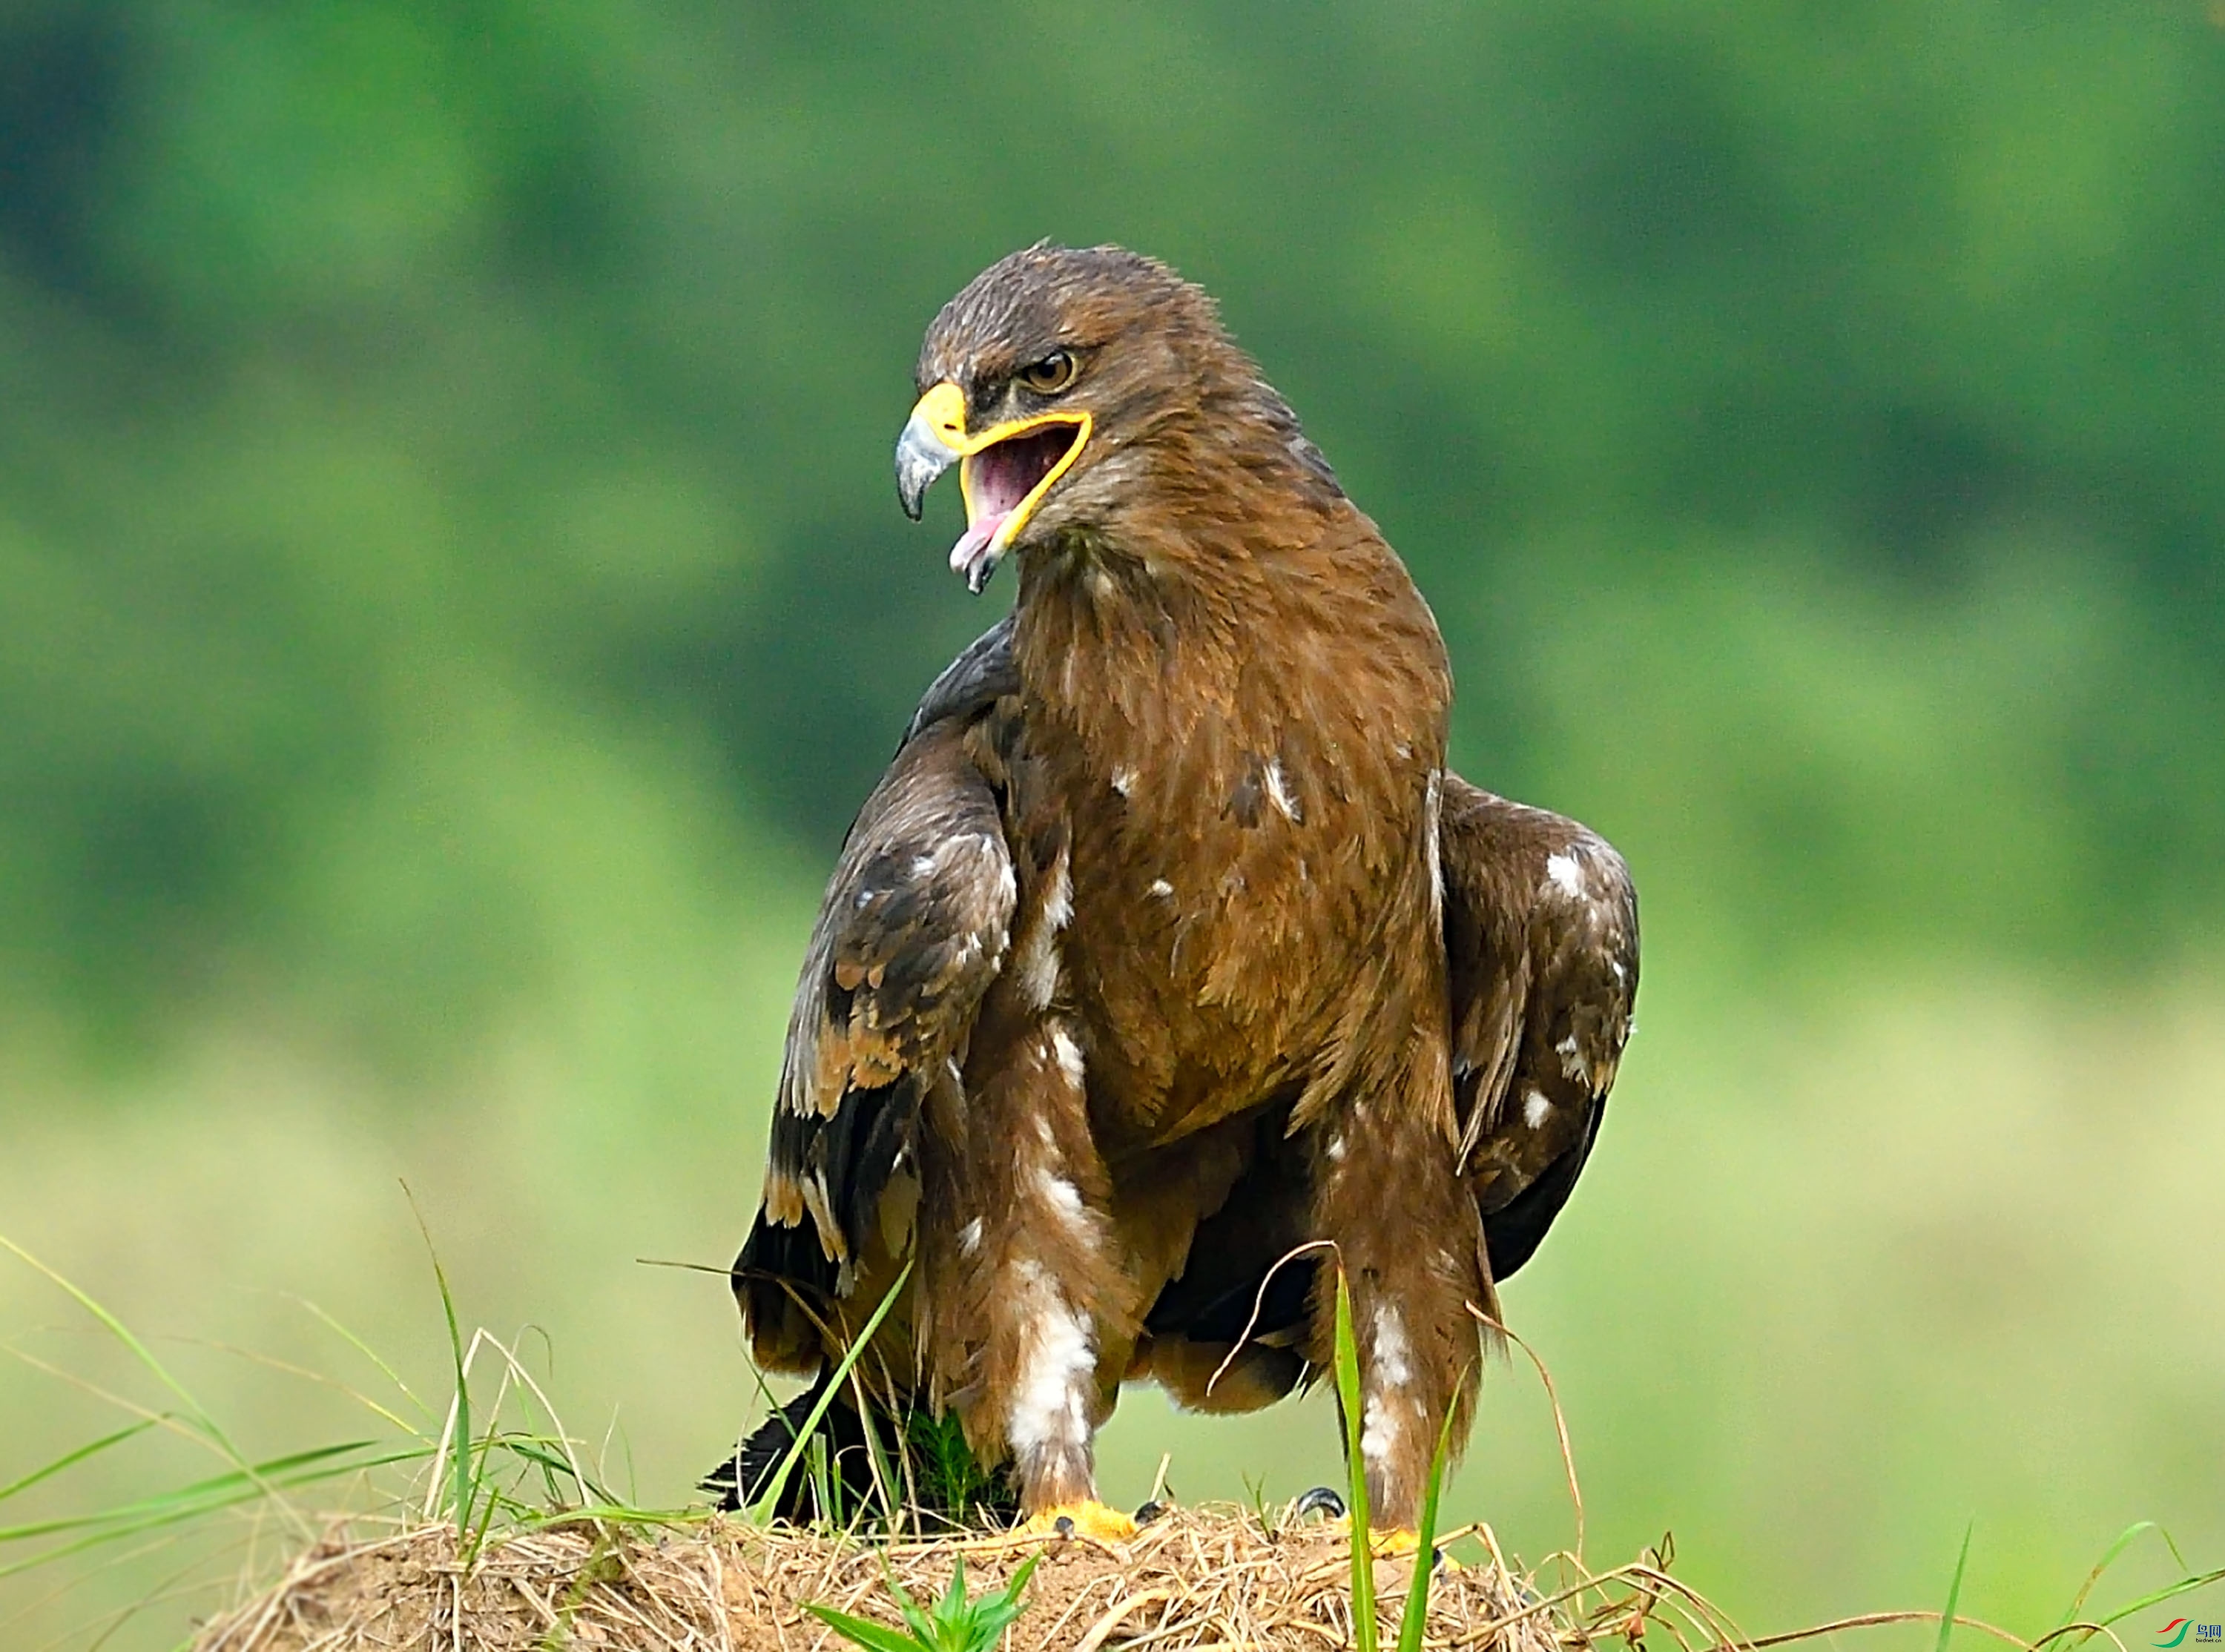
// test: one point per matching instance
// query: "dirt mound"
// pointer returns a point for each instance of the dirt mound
(1191, 1579)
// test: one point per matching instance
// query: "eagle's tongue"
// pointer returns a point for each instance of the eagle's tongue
(974, 555)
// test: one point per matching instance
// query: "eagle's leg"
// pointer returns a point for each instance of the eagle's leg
(1406, 1236)
(1047, 1308)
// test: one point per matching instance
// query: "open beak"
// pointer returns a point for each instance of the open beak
(1006, 471)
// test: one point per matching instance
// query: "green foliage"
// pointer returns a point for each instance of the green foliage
(950, 1476)
(447, 455)
(957, 1623)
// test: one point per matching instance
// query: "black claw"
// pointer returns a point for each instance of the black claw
(1322, 1500)
(1150, 1512)
(1063, 1525)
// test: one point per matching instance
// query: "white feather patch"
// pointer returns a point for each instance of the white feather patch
(1067, 1054)
(1049, 1409)
(1566, 873)
(1572, 1061)
(1034, 968)
(1058, 902)
(1535, 1108)
(1062, 1196)
(1380, 1439)
(1393, 1357)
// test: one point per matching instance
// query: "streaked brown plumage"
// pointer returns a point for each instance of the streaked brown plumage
(1167, 944)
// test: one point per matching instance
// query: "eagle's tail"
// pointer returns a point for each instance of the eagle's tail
(835, 1476)
(835, 1467)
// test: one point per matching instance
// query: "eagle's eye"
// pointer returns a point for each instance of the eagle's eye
(1050, 375)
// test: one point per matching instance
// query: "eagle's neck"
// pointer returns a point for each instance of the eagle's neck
(1188, 644)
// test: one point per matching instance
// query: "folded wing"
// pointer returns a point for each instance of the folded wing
(914, 927)
(1541, 934)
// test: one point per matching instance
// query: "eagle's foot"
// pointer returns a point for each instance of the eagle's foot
(1388, 1542)
(1092, 1520)
(1396, 1542)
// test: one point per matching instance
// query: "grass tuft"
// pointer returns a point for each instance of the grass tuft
(958, 1624)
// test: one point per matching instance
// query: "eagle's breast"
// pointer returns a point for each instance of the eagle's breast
(1240, 809)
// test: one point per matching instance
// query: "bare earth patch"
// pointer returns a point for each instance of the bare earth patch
(1210, 1576)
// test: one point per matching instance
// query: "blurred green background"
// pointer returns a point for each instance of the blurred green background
(452, 597)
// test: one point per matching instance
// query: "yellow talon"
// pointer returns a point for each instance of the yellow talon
(1091, 1520)
(1391, 1542)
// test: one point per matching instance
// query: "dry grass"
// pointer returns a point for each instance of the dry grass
(1193, 1579)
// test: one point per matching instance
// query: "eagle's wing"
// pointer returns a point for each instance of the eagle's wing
(1541, 934)
(913, 928)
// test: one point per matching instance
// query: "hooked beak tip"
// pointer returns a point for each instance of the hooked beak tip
(921, 456)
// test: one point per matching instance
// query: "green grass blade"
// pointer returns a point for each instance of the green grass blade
(1415, 1621)
(619, 1514)
(875, 1637)
(177, 1508)
(199, 1420)
(1363, 1551)
(70, 1460)
(546, 1453)
(885, 1481)
(464, 1484)
(366, 1351)
(2109, 1558)
(2169, 1591)
(228, 1487)
(761, 1511)
(916, 1618)
(1954, 1591)
(995, 1613)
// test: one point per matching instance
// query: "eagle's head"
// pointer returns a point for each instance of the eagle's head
(1076, 389)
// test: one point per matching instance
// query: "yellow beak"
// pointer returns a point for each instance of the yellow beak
(935, 437)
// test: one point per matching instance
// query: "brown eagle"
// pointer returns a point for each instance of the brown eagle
(1168, 944)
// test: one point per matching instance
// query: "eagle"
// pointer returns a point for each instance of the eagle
(1169, 974)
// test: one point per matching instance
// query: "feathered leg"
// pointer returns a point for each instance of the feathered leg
(1409, 1239)
(1043, 1313)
